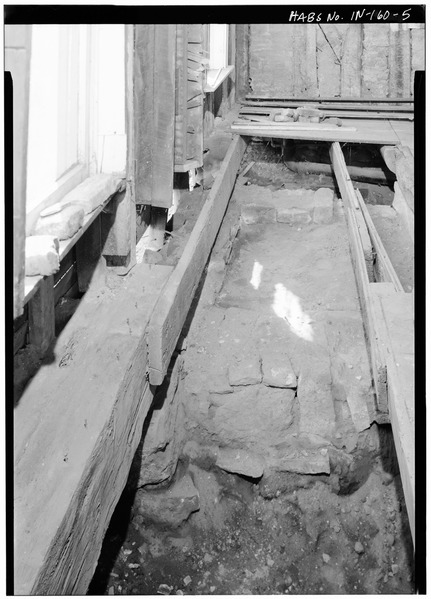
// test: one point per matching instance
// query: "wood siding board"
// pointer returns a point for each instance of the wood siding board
(399, 61)
(351, 62)
(329, 49)
(155, 113)
(375, 61)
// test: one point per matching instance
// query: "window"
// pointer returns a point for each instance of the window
(77, 109)
(218, 68)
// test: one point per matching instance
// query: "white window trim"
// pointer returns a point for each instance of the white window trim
(219, 69)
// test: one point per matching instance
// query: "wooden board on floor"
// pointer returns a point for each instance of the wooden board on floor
(172, 308)
(372, 132)
(76, 428)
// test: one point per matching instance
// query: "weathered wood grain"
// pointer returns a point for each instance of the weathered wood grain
(88, 255)
(173, 306)
(378, 364)
(396, 330)
(154, 87)
(77, 426)
(384, 266)
(41, 316)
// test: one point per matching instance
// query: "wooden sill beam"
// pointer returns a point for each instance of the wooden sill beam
(173, 306)
(76, 428)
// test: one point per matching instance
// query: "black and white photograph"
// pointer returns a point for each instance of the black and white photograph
(210, 299)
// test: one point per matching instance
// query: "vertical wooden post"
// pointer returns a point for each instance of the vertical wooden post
(118, 236)
(41, 316)
(154, 89)
(17, 61)
(89, 262)
(242, 84)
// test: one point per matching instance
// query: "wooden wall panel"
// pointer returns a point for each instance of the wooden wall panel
(330, 60)
(154, 79)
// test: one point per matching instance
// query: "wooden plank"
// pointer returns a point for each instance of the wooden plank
(351, 62)
(77, 426)
(17, 61)
(366, 132)
(399, 60)
(397, 330)
(242, 83)
(172, 308)
(88, 256)
(154, 85)
(41, 317)
(378, 364)
(384, 265)
(375, 67)
(359, 100)
(181, 95)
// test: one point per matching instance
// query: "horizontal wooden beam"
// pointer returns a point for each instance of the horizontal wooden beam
(76, 428)
(377, 361)
(173, 306)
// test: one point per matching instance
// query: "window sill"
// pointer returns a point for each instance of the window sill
(91, 188)
(216, 77)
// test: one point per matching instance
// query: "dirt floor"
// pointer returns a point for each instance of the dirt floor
(316, 506)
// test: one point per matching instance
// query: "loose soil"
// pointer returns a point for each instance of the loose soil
(346, 533)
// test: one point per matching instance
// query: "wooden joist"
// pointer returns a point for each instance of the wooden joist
(76, 429)
(173, 306)
(388, 320)
(385, 270)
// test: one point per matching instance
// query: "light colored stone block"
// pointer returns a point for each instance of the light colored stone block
(240, 462)
(41, 255)
(245, 370)
(293, 216)
(323, 206)
(252, 214)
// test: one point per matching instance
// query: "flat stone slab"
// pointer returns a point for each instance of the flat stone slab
(242, 462)
(244, 369)
(277, 370)
(323, 206)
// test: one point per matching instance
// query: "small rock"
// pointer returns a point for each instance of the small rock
(164, 589)
(387, 478)
(289, 580)
(359, 548)
(270, 562)
(127, 551)
(187, 580)
(133, 566)
(212, 589)
(111, 591)
(326, 558)
(208, 558)
(390, 539)
(395, 568)
(179, 592)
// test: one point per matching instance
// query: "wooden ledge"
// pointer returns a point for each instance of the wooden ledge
(99, 188)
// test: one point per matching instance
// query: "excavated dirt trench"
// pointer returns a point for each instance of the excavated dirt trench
(261, 469)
